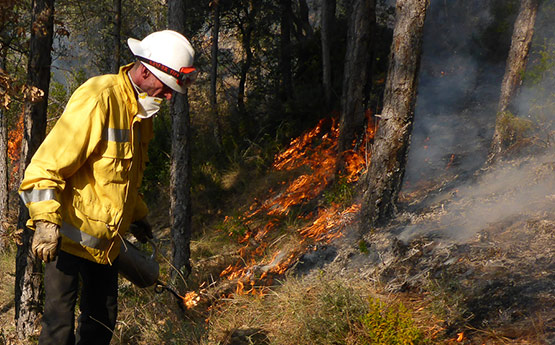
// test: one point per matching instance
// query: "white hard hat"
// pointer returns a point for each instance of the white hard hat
(168, 55)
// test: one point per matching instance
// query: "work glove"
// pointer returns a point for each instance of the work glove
(142, 230)
(46, 241)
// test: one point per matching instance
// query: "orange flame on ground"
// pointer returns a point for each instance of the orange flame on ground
(191, 299)
(315, 150)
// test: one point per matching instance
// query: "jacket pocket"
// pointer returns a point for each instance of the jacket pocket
(86, 203)
(112, 163)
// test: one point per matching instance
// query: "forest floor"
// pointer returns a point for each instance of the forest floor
(481, 251)
(470, 255)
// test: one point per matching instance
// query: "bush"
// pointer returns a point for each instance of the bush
(384, 325)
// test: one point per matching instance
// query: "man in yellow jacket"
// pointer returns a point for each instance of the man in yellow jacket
(81, 187)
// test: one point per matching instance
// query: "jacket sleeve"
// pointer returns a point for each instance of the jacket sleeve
(65, 149)
(141, 209)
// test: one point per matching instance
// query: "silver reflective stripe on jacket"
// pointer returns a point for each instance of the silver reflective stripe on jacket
(83, 238)
(116, 134)
(36, 195)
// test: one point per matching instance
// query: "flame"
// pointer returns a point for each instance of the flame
(460, 337)
(191, 299)
(329, 223)
(15, 137)
(315, 151)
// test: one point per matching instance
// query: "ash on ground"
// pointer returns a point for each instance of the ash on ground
(485, 247)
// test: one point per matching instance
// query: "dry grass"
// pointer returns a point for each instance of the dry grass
(320, 310)
(7, 281)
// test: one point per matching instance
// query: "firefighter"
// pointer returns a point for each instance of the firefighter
(81, 187)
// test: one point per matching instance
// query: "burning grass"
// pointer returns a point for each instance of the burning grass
(297, 206)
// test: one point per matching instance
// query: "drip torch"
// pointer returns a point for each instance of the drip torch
(143, 270)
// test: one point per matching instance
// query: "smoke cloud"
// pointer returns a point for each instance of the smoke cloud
(510, 192)
(459, 87)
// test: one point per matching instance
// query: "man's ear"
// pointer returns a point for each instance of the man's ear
(144, 72)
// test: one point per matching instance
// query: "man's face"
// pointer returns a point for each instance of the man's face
(154, 87)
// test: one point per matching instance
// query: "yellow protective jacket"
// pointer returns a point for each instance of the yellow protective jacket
(86, 174)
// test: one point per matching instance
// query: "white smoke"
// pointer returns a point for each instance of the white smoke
(455, 116)
(515, 190)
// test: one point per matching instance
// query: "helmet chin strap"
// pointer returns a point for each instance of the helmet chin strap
(148, 105)
(135, 86)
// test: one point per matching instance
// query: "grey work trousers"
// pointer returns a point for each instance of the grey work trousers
(98, 303)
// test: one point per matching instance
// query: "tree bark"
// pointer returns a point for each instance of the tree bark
(180, 170)
(383, 180)
(327, 17)
(117, 36)
(246, 28)
(286, 88)
(516, 64)
(29, 269)
(359, 36)
(214, 71)
(4, 176)
(304, 22)
(243, 75)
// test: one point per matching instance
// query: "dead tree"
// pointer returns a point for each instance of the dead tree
(28, 269)
(357, 55)
(516, 64)
(382, 182)
(180, 170)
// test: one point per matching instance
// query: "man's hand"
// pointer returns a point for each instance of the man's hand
(142, 230)
(46, 241)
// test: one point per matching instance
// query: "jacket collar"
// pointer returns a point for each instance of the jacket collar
(128, 91)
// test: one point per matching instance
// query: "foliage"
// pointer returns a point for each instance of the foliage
(233, 226)
(157, 172)
(363, 246)
(512, 128)
(494, 40)
(384, 325)
(341, 192)
(88, 30)
(539, 77)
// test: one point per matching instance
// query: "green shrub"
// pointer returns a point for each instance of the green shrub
(513, 128)
(384, 325)
(340, 193)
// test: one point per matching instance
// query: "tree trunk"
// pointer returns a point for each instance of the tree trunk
(4, 176)
(29, 269)
(246, 27)
(214, 71)
(286, 88)
(117, 36)
(246, 44)
(516, 64)
(383, 180)
(180, 171)
(327, 17)
(359, 36)
(304, 19)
